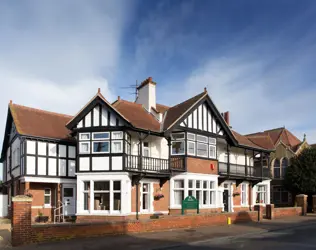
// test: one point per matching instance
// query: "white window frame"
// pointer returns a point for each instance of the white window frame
(192, 142)
(202, 136)
(178, 189)
(108, 141)
(48, 195)
(178, 139)
(80, 139)
(117, 132)
(194, 137)
(209, 151)
(86, 192)
(265, 193)
(212, 141)
(182, 141)
(100, 139)
(83, 142)
(242, 193)
(204, 156)
(149, 192)
(146, 148)
(115, 141)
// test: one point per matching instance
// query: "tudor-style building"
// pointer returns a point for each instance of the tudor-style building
(137, 158)
(283, 145)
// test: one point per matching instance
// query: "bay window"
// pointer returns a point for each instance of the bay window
(101, 147)
(178, 191)
(177, 147)
(204, 190)
(201, 150)
(84, 147)
(261, 195)
(117, 146)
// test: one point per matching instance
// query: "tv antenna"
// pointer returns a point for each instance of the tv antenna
(134, 88)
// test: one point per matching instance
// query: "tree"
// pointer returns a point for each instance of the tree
(300, 177)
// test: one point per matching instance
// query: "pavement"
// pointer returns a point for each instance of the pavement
(295, 232)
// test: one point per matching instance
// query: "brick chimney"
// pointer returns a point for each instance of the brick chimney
(226, 117)
(147, 94)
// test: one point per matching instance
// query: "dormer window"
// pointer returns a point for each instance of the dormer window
(178, 144)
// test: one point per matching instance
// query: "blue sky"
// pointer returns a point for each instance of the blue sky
(256, 58)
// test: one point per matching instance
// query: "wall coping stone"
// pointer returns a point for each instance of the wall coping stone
(301, 195)
(20, 198)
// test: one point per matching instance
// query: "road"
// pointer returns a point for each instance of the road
(302, 238)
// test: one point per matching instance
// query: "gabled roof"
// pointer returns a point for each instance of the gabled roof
(40, 123)
(138, 116)
(244, 141)
(176, 112)
(94, 100)
(270, 138)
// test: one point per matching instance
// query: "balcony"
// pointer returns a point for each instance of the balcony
(240, 170)
(146, 164)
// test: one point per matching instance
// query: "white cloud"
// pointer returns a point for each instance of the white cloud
(54, 55)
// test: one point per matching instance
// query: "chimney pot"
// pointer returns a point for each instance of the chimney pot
(99, 90)
(10, 101)
(118, 98)
(150, 79)
(205, 90)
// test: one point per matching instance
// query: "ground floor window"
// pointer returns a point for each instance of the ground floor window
(244, 194)
(203, 190)
(106, 195)
(178, 191)
(280, 195)
(47, 197)
(261, 195)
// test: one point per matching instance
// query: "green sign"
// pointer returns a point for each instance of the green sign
(190, 203)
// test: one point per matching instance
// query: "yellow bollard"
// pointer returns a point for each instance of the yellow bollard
(229, 221)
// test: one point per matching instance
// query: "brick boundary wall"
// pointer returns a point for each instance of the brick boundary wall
(56, 232)
(282, 212)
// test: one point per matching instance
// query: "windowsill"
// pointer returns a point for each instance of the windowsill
(47, 206)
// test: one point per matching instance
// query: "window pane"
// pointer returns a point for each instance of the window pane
(117, 135)
(202, 149)
(117, 185)
(178, 147)
(191, 137)
(212, 197)
(102, 201)
(102, 186)
(205, 197)
(86, 201)
(68, 192)
(212, 141)
(284, 197)
(84, 147)
(198, 184)
(98, 136)
(117, 201)
(117, 146)
(47, 200)
(145, 201)
(101, 147)
(190, 193)
(84, 136)
(86, 185)
(178, 197)
(212, 185)
(199, 196)
(179, 184)
(191, 148)
(204, 184)
(201, 138)
(178, 136)
(47, 191)
(212, 151)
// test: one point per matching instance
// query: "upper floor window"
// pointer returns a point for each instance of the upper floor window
(285, 163)
(101, 147)
(201, 146)
(84, 136)
(178, 144)
(100, 135)
(276, 168)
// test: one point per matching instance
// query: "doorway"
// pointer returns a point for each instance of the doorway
(145, 197)
(225, 199)
(69, 199)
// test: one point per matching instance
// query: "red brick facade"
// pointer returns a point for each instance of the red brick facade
(276, 213)
(202, 166)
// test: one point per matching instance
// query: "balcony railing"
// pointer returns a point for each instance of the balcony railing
(240, 170)
(151, 164)
(146, 164)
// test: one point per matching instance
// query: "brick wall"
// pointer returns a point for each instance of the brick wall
(201, 166)
(193, 211)
(281, 212)
(44, 232)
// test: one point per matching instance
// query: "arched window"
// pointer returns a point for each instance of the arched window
(276, 168)
(285, 163)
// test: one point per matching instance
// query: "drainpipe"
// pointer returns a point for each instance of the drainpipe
(137, 199)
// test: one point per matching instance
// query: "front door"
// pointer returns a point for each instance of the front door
(69, 200)
(225, 200)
